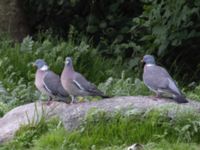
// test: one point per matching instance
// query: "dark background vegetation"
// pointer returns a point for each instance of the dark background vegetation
(122, 29)
(126, 29)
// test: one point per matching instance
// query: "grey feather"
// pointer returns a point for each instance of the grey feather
(53, 84)
(158, 80)
(173, 86)
(76, 84)
(86, 85)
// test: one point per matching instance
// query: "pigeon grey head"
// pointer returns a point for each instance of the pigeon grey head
(149, 59)
(68, 62)
(40, 63)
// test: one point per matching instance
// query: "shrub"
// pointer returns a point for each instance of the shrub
(103, 130)
(124, 86)
(17, 73)
(170, 30)
(27, 134)
(3, 108)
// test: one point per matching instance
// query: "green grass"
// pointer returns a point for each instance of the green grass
(102, 130)
(155, 130)
(53, 140)
(194, 93)
(124, 86)
(165, 145)
(27, 134)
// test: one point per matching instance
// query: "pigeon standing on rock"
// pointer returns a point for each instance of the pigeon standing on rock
(48, 83)
(158, 80)
(76, 84)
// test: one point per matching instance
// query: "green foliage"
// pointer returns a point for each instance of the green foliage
(96, 19)
(106, 24)
(3, 108)
(194, 93)
(118, 129)
(17, 73)
(167, 24)
(126, 30)
(170, 29)
(52, 140)
(27, 134)
(123, 86)
(164, 145)
(155, 129)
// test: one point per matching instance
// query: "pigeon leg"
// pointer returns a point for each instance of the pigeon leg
(73, 99)
(49, 102)
(158, 96)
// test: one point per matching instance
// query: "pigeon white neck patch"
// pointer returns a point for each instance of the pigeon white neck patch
(44, 68)
(149, 65)
(67, 62)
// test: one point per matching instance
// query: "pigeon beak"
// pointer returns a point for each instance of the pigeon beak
(141, 60)
(33, 64)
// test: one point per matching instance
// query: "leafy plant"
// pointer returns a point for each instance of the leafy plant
(3, 108)
(27, 134)
(170, 30)
(103, 130)
(167, 24)
(123, 86)
(194, 93)
(17, 73)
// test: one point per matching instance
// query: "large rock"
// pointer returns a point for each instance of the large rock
(72, 115)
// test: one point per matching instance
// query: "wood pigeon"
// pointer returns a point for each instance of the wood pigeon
(76, 84)
(48, 83)
(158, 80)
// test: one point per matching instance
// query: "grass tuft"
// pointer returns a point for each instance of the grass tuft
(154, 129)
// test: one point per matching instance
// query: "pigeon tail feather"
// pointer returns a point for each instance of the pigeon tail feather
(105, 96)
(180, 99)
